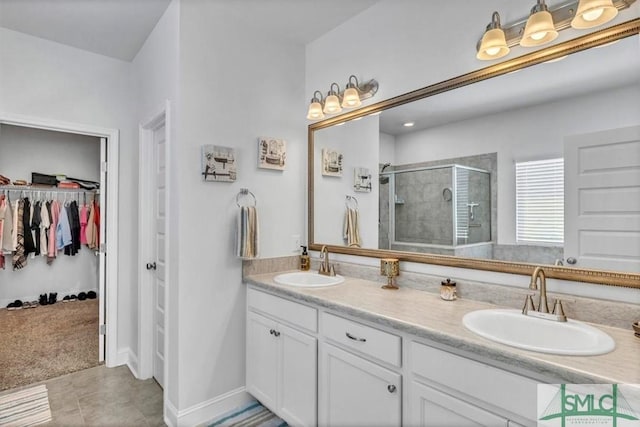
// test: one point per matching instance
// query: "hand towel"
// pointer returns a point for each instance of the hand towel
(247, 233)
(351, 231)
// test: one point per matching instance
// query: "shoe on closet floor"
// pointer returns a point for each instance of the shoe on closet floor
(91, 295)
(73, 297)
(16, 305)
(53, 297)
(66, 298)
(82, 296)
(34, 304)
(43, 299)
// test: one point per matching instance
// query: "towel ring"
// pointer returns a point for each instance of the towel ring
(245, 192)
(351, 198)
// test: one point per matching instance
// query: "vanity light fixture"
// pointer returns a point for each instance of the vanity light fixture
(494, 43)
(336, 99)
(592, 13)
(543, 24)
(539, 29)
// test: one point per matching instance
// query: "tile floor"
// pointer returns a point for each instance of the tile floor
(103, 396)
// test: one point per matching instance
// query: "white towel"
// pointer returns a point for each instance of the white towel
(247, 233)
(351, 231)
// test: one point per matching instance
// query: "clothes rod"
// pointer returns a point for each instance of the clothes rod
(47, 189)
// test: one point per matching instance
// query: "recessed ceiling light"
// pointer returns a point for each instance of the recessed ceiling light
(408, 124)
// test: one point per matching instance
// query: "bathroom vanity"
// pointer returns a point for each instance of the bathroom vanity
(399, 358)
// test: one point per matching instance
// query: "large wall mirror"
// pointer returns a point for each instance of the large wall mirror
(533, 161)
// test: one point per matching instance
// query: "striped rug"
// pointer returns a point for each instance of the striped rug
(27, 407)
(252, 414)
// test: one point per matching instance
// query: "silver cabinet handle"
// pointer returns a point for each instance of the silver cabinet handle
(572, 260)
(276, 333)
(151, 266)
(351, 337)
(271, 332)
(391, 388)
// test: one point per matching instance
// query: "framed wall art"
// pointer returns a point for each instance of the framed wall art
(362, 180)
(272, 153)
(218, 163)
(331, 162)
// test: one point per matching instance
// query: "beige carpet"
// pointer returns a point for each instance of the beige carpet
(45, 342)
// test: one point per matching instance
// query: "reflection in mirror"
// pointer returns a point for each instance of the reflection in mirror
(447, 184)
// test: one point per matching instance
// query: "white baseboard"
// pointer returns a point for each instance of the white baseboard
(208, 410)
(170, 414)
(127, 357)
(5, 301)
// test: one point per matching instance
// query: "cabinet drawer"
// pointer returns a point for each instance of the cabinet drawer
(288, 311)
(503, 389)
(370, 341)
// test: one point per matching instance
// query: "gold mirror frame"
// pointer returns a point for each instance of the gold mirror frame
(598, 38)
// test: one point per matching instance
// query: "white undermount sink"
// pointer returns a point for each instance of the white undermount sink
(307, 279)
(511, 327)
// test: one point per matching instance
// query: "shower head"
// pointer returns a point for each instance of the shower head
(384, 179)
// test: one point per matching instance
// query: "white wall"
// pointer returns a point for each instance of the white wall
(353, 140)
(155, 73)
(47, 80)
(235, 85)
(532, 133)
(25, 150)
(387, 148)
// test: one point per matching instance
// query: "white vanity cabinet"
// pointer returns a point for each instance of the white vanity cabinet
(450, 390)
(354, 390)
(282, 357)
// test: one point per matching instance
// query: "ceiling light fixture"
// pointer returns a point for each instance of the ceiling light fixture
(540, 28)
(494, 43)
(336, 99)
(543, 24)
(408, 124)
(592, 13)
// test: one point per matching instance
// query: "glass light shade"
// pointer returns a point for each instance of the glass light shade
(315, 111)
(493, 45)
(539, 30)
(332, 105)
(592, 13)
(351, 99)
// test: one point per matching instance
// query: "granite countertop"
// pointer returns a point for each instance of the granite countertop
(425, 315)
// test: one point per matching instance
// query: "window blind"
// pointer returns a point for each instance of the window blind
(540, 201)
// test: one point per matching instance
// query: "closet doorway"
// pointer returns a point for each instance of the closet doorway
(104, 272)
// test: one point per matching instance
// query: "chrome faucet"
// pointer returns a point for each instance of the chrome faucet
(326, 268)
(542, 311)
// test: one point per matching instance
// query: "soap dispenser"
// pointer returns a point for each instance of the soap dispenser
(305, 261)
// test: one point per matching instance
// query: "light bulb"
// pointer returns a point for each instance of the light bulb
(332, 105)
(315, 111)
(492, 51)
(351, 98)
(539, 35)
(592, 15)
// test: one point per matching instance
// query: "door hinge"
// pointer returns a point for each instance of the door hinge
(103, 167)
(103, 329)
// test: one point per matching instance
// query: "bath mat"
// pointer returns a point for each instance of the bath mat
(24, 408)
(252, 414)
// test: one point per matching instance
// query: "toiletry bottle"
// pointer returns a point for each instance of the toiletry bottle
(305, 261)
(448, 290)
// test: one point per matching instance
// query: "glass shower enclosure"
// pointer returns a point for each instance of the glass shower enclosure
(434, 209)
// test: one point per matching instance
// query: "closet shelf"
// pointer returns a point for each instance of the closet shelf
(32, 189)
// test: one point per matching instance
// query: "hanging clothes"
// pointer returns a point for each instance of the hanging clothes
(54, 210)
(44, 229)
(5, 228)
(19, 256)
(29, 245)
(35, 225)
(63, 230)
(84, 214)
(74, 224)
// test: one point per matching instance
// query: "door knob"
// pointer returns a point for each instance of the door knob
(391, 388)
(151, 265)
(571, 260)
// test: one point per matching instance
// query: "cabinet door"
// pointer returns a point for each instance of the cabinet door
(262, 359)
(297, 387)
(356, 392)
(432, 408)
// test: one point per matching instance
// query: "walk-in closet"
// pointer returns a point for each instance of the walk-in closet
(51, 219)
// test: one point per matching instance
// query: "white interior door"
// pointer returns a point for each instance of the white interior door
(102, 256)
(602, 204)
(159, 284)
